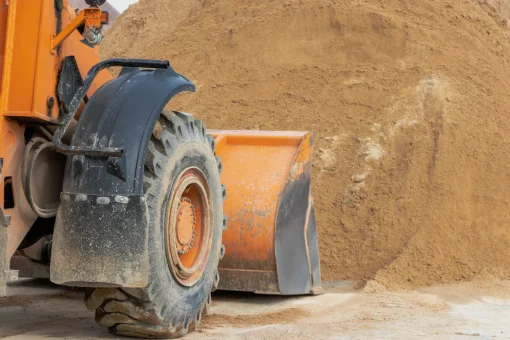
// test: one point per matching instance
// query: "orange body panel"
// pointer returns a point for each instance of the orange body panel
(31, 66)
(26, 67)
(29, 75)
(3, 27)
(22, 217)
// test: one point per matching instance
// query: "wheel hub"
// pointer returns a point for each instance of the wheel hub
(189, 230)
(186, 224)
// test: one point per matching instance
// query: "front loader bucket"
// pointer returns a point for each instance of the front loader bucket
(271, 239)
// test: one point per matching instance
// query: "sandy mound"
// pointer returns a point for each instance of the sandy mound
(409, 101)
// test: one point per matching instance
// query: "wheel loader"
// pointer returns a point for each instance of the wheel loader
(106, 190)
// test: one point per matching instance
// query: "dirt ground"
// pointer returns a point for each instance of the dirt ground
(37, 309)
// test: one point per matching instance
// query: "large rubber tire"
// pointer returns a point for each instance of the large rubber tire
(167, 309)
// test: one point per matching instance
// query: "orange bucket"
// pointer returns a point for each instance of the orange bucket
(271, 239)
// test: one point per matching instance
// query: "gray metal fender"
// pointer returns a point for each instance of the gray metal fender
(101, 234)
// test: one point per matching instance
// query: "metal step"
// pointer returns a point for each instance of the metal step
(12, 275)
(5, 277)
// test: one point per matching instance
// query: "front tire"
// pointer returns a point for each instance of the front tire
(185, 218)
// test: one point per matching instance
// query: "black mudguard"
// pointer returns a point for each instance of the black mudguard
(100, 236)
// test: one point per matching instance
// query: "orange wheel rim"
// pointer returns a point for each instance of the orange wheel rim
(188, 227)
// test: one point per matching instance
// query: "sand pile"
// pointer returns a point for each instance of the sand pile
(409, 101)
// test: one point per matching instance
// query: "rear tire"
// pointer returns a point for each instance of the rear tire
(177, 296)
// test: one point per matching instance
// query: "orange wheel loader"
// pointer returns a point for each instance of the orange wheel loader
(102, 188)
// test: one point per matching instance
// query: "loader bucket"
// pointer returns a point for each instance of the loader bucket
(270, 239)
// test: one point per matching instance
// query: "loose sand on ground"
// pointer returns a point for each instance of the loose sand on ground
(475, 309)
